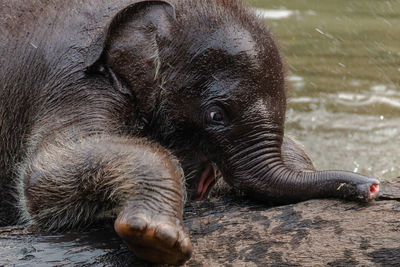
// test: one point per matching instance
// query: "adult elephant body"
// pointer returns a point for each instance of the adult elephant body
(106, 105)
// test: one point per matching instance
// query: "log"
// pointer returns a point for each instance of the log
(230, 231)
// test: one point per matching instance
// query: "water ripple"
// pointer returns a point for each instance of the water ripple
(274, 14)
(358, 100)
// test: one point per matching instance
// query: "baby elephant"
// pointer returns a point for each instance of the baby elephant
(110, 109)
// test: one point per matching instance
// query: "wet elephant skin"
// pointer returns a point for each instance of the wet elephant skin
(121, 109)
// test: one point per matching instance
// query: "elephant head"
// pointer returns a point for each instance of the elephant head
(207, 81)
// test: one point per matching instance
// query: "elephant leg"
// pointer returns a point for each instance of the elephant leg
(73, 182)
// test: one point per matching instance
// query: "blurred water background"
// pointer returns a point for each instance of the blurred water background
(343, 68)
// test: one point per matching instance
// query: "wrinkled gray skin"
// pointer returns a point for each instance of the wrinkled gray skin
(97, 96)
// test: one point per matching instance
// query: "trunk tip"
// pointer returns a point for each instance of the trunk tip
(373, 191)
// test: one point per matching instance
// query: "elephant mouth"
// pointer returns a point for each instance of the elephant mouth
(206, 182)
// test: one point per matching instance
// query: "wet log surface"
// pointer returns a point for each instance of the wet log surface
(231, 231)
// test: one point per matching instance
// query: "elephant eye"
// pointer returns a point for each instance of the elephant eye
(216, 116)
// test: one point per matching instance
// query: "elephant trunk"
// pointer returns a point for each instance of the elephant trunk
(258, 168)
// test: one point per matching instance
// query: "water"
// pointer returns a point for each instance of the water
(343, 64)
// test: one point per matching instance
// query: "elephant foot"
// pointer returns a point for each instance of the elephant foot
(156, 240)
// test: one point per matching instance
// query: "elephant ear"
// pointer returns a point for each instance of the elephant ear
(145, 13)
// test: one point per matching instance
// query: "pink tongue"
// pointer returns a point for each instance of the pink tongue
(205, 180)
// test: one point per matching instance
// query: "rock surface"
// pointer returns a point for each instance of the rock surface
(229, 231)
